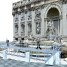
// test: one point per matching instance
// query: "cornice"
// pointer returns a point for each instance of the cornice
(26, 8)
(34, 2)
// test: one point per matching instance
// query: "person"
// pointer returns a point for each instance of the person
(38, 44)
(7, 41)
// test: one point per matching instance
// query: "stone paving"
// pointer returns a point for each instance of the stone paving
(14, 63)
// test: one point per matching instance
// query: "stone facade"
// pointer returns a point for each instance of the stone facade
(37, 17)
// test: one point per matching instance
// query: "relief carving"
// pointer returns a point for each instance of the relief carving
(38, 21)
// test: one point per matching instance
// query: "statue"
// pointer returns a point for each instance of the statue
(38, 28)
(7, 42)
(38, 20)
(38, 44)
(23, 26)
(50, 27)
(51, 31)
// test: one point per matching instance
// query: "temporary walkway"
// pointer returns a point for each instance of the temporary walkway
(51, 56)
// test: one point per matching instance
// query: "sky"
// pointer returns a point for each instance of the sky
(6, 20)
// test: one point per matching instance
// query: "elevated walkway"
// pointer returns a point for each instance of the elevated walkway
(47, 56)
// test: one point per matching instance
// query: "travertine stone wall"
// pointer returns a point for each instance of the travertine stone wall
(34, 14)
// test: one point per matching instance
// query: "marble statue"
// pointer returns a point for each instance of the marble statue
(38, 28)
(51, 32)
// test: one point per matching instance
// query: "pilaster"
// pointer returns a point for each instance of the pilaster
(19, 26)
(26, 26)
(13, 26)
(64, 19)
(42, 23)
(33, 23)
(61, 25)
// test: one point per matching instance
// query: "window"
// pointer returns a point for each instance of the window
(29, 15)
(22, 28)
(22, 16)
(22, 38)
(38, 27)
(16, 39)
(16, 19)
(16, 28)
(29, 28)
(28, 0)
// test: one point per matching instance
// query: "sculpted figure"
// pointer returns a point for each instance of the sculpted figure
(50, 31)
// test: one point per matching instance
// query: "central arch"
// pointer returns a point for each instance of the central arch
(53, 14)
(54, 19)
(53, 6)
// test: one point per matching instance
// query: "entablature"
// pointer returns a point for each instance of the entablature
(32, 3)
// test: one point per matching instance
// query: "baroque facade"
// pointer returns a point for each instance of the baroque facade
(39, 18)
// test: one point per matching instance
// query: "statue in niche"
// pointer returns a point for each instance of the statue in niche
(22, 26)
(50, 27)
(51, 31)
(38, 28)
(29, 28)
(16, 27)
(38, 23)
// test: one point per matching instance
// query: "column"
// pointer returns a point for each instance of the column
(45, 21)
(33, 23)
(46, 25)
(61, 25)
(13, 26)
(64, 19)
(26, 26)
(42, 22)
(19, 26)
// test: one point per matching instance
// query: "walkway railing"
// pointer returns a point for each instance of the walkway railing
(47, 56)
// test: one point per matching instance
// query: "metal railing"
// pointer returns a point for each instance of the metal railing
(28, 54)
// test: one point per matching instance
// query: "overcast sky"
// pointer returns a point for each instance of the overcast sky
(6, 20)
